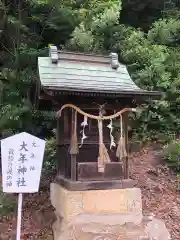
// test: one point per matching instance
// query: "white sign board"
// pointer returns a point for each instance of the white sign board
(22, 158)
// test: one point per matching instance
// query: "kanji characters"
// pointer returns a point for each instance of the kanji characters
(21, 182)
(11, 151)
(32, 168)
(9, 170)
(22, 158)
(34, 144)
(9, 184)
(22, 170)
(32, 155)
(24, 147)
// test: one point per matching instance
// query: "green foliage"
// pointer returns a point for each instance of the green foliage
(152, 56)
(165, 32)
(7, 204)
(172, 154)
(26, 29)
(160, 72)
(50, 157)
(92, 32)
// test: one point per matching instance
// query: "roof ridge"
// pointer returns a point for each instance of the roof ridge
(58, 55)
(84, 54)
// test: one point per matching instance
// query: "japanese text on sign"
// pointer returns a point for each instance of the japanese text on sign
(9, 169)
(21, 164)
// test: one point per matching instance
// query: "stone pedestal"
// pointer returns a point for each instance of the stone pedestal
(102, 215)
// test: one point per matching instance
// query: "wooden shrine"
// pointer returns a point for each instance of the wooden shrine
(89, 93)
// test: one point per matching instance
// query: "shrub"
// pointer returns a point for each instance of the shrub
(172, 154)
(7, 204)
(50, 154)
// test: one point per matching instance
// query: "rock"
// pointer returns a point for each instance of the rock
(148, 217)
(91, 227)
(156, 230)
(82, 229)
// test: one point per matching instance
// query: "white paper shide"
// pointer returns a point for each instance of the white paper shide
(22, 158)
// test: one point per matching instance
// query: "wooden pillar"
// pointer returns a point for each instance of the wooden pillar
(66, 124)
(126, 161)
(58, 134)
(58, 131)
(66, 142)
(60, 146)
(73, 156)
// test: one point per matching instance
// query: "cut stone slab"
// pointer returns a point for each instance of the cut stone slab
(100, 227)
(69, 204)
(113, 201)
(114, 214)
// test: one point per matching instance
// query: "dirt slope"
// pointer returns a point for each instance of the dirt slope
(158, 189)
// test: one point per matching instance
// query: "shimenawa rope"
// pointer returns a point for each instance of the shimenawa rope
(93, 116)
(103, 153)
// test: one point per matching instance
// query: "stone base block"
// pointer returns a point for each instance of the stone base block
(103, 215)
(69, 204)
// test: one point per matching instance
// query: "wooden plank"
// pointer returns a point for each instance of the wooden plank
(94, 185)
(89, 171)
(66, 122)
(73, 156)
(59, 135)
(62, 159)
(126, 161)
(59, 132)
(73, 167)
(114, 170)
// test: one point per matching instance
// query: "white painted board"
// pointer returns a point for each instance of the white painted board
(22, 158)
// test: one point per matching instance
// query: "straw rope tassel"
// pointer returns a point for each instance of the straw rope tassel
(121, 150)
(74, 141)
(103, 153)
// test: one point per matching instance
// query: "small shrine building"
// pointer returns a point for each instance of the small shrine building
(89, 92)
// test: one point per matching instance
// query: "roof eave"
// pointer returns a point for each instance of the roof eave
(153, 94)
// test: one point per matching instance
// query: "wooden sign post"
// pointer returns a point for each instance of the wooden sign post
(19, 216)
(22, 158)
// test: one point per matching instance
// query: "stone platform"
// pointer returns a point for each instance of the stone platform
(103, 215)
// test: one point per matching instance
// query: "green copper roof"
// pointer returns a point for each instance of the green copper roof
(87, 73)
